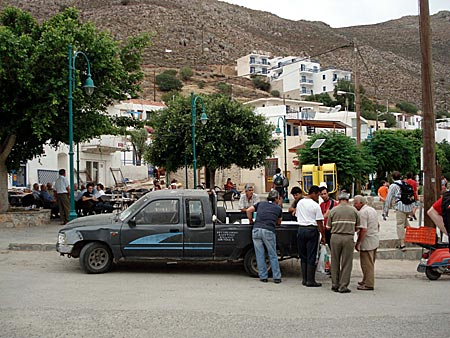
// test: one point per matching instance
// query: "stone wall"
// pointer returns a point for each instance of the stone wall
(21, 218)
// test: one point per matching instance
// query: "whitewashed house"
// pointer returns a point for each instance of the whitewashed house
(94, 159)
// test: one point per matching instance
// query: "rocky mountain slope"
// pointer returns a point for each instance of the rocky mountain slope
(204, 34)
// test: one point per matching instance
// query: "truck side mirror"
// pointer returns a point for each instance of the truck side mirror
(132, 222)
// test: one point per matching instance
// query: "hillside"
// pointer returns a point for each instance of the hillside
(206, 33)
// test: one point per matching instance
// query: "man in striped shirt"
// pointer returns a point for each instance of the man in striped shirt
(403, 210)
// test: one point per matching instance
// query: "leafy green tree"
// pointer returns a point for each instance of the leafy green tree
(34, 85)
(443, 156)
(186, 73)
(352, 162)
(138, 138)
(167, 81)
(234, 134)
(389, 119)
(395, 150)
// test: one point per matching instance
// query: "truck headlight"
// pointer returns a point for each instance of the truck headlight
(62, 238)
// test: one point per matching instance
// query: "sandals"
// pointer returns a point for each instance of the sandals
(402, 248)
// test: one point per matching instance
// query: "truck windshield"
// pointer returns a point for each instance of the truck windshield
(133, 208)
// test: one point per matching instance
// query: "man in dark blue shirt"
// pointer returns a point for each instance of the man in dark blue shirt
(269, 214)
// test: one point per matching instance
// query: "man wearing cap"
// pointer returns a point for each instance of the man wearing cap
(367, 242)
(269, 215)
(248, 199)
(343, 221)
(310, 221)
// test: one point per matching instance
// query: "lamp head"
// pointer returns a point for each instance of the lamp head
(89, 86)
(278, 131)
(204, 118)
(341, 92)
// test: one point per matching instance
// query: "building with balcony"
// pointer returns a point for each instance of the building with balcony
(253, 63)
(94, 158)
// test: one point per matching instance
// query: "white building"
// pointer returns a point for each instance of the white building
(94, 158)
(303, 118)
(293, 77)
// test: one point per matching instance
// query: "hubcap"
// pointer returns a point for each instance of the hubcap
(98, 258)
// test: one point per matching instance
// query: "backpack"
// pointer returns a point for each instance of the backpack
(278, 180)
(446, 209)
(285, 182)
(407, 193)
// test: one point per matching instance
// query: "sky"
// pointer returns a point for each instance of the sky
(342, 13)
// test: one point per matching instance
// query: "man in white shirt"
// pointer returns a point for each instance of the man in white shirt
(310, 220)
(62, 189)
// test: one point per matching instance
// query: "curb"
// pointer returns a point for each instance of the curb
(31, 247)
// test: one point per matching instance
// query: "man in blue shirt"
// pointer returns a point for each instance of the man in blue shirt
(269, 214)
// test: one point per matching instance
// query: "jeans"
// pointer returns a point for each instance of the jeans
(261, 238)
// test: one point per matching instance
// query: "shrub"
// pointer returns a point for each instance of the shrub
(224, 88)
(167, 82)
(260, 82)
(275, 93)
(186, 73)
(407, 107)
(201, 84)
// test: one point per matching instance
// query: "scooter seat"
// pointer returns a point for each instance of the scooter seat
(441, 245)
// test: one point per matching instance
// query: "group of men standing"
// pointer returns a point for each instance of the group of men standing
(332, 222)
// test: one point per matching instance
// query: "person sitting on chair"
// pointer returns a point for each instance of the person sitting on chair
(88, 200)
(229, 186)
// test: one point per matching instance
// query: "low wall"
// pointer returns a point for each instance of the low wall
(21, 218)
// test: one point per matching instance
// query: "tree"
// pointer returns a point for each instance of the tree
(395, 150)
(352, 162)
(167, 81)
(138, 138)
(234, 134)
(34, 86)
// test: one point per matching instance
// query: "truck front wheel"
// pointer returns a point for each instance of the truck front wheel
(96, 258)
(250, 265)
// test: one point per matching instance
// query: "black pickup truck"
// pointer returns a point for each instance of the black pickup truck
(168, 225)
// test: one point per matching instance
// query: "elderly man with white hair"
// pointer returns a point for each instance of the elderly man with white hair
(367, 242)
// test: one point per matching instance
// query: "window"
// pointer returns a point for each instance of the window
(195, 214)
(324, 88)
(92, 170)
(252, 70)
(264, 70)
(303, 90)
(295, 131)
(303, 78)
(264, 61)
(324, 77)
(302, 67)
(159, 212)
(335, 77)
(252, 59)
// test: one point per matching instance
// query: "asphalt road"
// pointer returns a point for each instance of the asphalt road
(45, 295)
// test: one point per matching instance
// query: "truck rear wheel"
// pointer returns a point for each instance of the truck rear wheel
(250, 265)
(96, 258)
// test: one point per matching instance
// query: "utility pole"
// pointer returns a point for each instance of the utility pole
(357, 96)
(429, 156)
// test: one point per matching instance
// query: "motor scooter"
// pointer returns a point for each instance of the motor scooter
(435, 261)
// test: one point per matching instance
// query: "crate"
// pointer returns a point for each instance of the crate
(423, 235)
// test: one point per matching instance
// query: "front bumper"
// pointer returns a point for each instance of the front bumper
(64, 248)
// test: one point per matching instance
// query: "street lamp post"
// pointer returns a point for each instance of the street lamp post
(89, 88)
(278, 131)
(341, 92)
(370, 137)
(203, 119)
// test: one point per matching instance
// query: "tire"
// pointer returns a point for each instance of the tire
(250, 265)
(96, 258)
(432, 274)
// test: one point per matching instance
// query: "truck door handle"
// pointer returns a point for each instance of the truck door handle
(174, 230)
